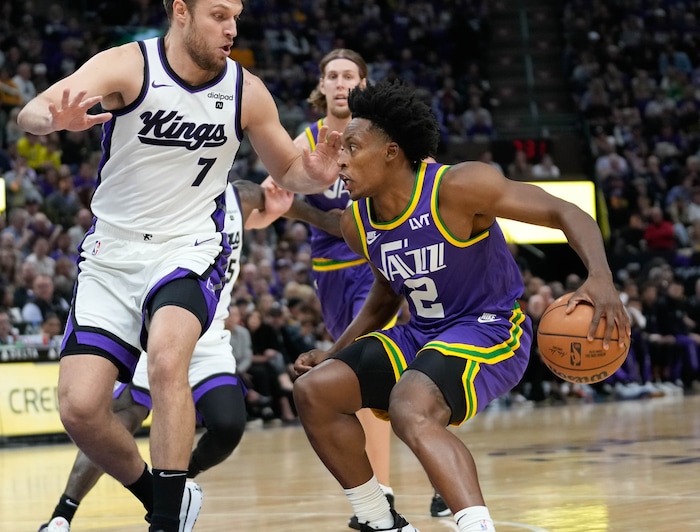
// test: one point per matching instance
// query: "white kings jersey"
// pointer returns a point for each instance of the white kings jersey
(166, 156)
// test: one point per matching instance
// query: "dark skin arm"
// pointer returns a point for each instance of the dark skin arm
(328, 221)
(482, 193)
(379, 308)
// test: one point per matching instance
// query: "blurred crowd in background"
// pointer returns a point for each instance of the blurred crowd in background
(634, 71)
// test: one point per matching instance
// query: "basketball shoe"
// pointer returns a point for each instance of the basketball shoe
(57, 524)
(438, 508)
(400, 525)
(355, 524)
(191, 505)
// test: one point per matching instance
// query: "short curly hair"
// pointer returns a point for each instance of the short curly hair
(395, 108)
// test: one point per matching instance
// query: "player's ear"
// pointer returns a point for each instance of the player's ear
(392, 151)
(363, 83)
(320, 86)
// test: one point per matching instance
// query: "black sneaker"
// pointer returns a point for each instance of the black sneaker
(438, 508)
(400, 525)
(355, 524)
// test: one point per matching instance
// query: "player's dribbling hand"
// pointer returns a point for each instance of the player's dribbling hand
(72, 115)
(308, 360)
(601, 293)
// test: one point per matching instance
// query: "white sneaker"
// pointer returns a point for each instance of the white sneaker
(57, 524)
(191, 504)
(400, 525)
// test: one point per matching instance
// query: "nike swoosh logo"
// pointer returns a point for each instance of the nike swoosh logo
(486, 320)
(71, 503)
(198, 242)
(159, 85)
(163, 474)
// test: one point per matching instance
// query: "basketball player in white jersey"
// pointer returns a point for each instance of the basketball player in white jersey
(151, 268)
(212, 374)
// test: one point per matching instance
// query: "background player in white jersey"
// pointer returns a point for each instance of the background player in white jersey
(151, 269)
(212, 374)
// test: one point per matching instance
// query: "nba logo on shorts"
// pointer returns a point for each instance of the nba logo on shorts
(96, 247)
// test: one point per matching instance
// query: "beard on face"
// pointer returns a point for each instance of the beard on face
(199, 50)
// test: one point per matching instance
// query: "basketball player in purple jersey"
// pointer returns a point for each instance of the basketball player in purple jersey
(430, 233)
(341, 277)
(151, 269)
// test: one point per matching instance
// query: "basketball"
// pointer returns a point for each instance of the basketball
(565, 349)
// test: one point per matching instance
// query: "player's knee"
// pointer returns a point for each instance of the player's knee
(413, 413)
(228, 432)
(80, 415)
(306, 391)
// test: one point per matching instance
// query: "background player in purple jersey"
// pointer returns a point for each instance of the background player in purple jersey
(431, 235)
(217, 391)
(150, 271)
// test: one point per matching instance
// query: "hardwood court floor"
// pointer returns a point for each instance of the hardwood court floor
(621, 466)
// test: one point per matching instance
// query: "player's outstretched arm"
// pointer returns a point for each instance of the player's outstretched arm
(492, 195)
(112, 77)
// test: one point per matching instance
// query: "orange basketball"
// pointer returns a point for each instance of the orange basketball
(565, 349)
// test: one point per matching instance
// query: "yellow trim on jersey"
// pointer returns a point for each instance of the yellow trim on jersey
(471, 370)
(309, 135)
(417, 188)
(398, 361)
(487, 355)
(361, 233)
(327, 265)
(441, 225)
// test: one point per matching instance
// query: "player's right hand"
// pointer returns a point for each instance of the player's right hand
(308, 360)
(72, 115)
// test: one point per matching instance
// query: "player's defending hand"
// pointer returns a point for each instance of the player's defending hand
(322, 163)
(277, 200)
(72, 114)
(308, 360)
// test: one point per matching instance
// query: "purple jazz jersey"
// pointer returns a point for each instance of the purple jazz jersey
(462, 294)
(342, 278)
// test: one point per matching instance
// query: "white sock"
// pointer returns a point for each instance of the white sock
(370, 504)
(388, 490)
(474, 519)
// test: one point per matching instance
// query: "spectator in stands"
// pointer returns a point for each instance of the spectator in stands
(520, 169)
(268, 369)
(487, 157)
(52, 329)
(546, 169)
(63, 204)
(83, 222)
(44, 301)
(659, 234)
(45, 265)
(23, 81)
(8, 336)
(19, 228)
(20, 183)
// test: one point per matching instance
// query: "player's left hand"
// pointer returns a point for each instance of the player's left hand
(602, 294)
(308, 360)
(277, 200)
